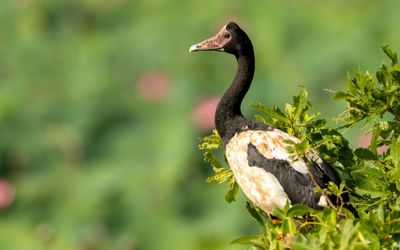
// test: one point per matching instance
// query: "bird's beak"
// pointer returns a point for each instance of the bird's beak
(209, 44)
(215, 43)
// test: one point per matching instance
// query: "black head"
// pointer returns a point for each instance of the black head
(231, 39)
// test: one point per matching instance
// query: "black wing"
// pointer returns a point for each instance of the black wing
(298, 186)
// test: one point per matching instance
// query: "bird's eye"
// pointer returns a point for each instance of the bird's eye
(227, 35)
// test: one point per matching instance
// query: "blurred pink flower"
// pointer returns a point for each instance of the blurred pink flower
(365, 141)
(7, 194)
(203, 113)
(153, 86)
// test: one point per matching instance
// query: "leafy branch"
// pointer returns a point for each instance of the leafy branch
(368, 97)
(210, 144)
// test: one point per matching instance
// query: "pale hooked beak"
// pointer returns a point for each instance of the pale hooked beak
(215, 43)
(208, 44)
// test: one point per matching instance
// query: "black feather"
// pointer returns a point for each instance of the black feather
(298, 187)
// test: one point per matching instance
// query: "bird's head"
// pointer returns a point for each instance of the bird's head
(231, 39)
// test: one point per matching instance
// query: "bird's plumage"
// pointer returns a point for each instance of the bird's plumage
(264, 153)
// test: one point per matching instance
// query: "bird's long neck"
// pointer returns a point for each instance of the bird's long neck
(229, 106)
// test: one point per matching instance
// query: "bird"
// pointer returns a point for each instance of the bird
(257, 154)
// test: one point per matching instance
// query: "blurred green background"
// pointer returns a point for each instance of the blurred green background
(101, 106)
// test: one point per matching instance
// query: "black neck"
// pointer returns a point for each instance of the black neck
(229, 106)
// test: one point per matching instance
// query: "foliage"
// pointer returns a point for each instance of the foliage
(373, 175)
(222, 175)
(368, 97)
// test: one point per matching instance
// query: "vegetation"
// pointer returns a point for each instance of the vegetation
(373, 175)
(97, 105)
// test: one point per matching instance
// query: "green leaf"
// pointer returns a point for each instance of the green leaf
(340, 95)
(211, 159)
(261, 119)
(299, 210)
(395, 155)
(231, 194)
(369, 177)
(270, 112)
(251, 239)
(288, 226)
(380, 213)
(390, 54)
(211, 142)
(396, 72)
(395, 152)
(301, 102)
(365, 154)
(289, 110)
(347, 233)
(381, 75)
(222, 175)
(254, 213)
(279, 213)
(374, 139)
(306, 244)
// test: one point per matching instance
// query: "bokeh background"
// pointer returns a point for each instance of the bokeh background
(101, 106)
